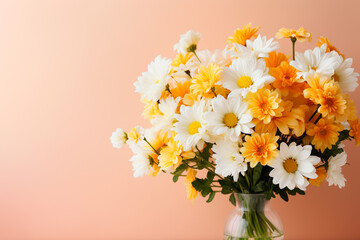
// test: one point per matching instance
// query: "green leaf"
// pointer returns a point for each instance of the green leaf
(232, 199)
(210, 176)
(344, 135)
(180, 169)
(226, 190)
(176, 178)
(206, 191)
(260, 187)
(257, 173)
(284, 195)
(211, 197)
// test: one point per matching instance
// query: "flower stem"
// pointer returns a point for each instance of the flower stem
(293, 40)
(151, 146)
(196, 56)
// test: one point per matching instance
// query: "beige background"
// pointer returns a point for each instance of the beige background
(67, 70)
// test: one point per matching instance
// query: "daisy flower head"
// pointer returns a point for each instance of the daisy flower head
(246, 74)
(260, 148)
(153, 82)
(355, 130)
(317, 60)
(191, 192)
(188, 42)
(293, 165)
(329, 46)
(229, 117)
(191, 126)
(151, 109)
(264, 104)
(141, 159)
(334, 175)
(168, 108)
(275, 59)
(242, 35)
(325, 133)
(136, 134)
(317, 85)
(229, 161)
(301, 34)
(332, 102)
(118, 138)
(286, 79)
(345, 76)
(260, 47)
(205, 80)
(170, 155)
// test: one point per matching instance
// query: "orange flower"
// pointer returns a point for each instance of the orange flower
(355, 130)
(190, 190)
(264, 104)
(330, 47)
(325, 133)
(321, 172)
(241, 35)
(301, 118)
(275, 59)
(283, 122)
(286, 80)
(157, 143)
(205, 80)
(317, 86)
(301, 34)
(180, 89)
(220, 90)
(260, 148)
(332, 105)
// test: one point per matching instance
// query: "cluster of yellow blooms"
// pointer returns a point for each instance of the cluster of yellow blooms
(245, 106)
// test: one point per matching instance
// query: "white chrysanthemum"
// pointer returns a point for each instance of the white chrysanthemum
(246, 74)
(260, 47)
(334, 175)
(293, 165)
(168, 108)
(230, 117)
(190, 127)
(317, 60)
(140, 160)
(229, 161)
(346, 77)
(118, 138)
(153, 82)
(219, 57)
(187, 42)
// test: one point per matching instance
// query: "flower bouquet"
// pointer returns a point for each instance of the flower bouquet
(254, 120)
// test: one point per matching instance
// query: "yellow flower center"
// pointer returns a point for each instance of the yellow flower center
(262, 149)
(194, 127)
(323, 132)
(244, 82)
(230, 120)
(290, 165)
(157, 81)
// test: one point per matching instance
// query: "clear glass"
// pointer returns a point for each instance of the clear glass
(253, 218)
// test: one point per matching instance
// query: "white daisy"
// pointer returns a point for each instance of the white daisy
(141, 159)
(346, 77)
(188, 42)
(293, 165)
(334, 175)
(260, 47)
(229, 161)
(168, 108)
(230, 117)
(246, 74)
(219, 57)
(190, 127)
(153, 82)
(118, 138)
(317, 60)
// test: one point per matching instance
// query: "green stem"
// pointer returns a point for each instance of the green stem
(293, 40)
(196, 56)
(313, 115)
(151, 146)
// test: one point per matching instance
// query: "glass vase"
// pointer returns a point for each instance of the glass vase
(253, 218)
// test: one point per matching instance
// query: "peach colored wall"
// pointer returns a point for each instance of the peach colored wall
(66, 81)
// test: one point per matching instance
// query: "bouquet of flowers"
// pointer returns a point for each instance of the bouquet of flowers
(252, 118)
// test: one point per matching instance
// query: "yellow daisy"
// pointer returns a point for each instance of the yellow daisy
(180, 89)
(151, 109)
(332, 104)
(260, 148)
(321, 173)
(330, 47)
(301, 34)
(190, 190)
(170, 155)
(204, 81)
(241, 35)
(181, 59)
(317, 87)
(264, 104)
(158, 143)
(325, 133)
